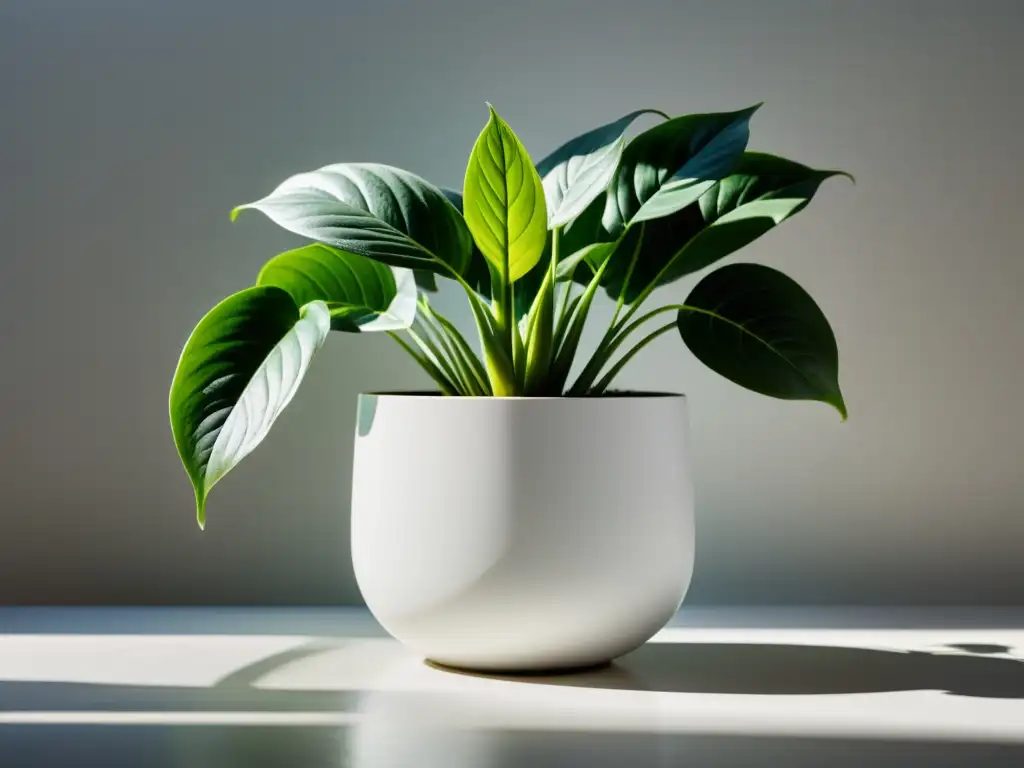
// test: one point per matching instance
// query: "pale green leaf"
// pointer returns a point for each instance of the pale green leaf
(362, 294)
(503, 201)
(372, 210)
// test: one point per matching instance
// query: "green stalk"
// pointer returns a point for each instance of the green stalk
(541, 330)
(448, 344)
(629, 274)
(650, 287)
(602, 353)
(501, 365)
(498, 362)
(458, 366)
(518, 347)
(500, 370)
(563, 322)
(430, 349)
(563, 362)
(609, 346)
(432, 370)
(504, 307)
(564, 311)
(602, 385)
(466, 352)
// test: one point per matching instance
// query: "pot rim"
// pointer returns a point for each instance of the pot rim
(618, 395)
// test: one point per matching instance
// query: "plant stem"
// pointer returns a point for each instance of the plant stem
(433, 353)
(518, 347)
(500, 371)
(597, 360)
(612, 341)
(571, 302)
(460, 370)
(449, 339)
(467, 353)
(563, 362)
(649, 288)
(566, 300)
(541, 326)
(629, 274)
(432, 370)
(602, 385)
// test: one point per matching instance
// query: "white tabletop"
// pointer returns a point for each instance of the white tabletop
(328, 687)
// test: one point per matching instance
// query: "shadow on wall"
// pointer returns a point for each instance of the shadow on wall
(782, 670)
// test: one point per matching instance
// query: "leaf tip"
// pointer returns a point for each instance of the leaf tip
(237, 210)
(831, 174)
(840, 405)
(200, 511)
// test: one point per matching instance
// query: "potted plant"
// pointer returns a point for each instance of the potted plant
(520, 517)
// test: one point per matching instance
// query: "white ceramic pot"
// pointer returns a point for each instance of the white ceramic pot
(522, 534)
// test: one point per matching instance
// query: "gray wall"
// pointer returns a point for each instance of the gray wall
(127, 132)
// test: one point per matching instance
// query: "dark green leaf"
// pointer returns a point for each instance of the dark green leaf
(237, 372)
(425, 280)
(667, 167)
(362, 295)
(762, 192)
(372, 210)
(759, 329)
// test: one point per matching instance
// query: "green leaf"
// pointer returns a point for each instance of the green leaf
(372, 210)
(667, 167)
(425, 280)
(578, 172)
(362, 295)
(762, 192)
(478, 273)
(237, 372)
(504, 202)
(759, 329)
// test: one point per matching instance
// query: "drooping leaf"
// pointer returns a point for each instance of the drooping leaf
(503, 201)
(762, 192)
(669, 166)
(372, 210)
(362, 295)
(759, 329)
(237, 372)
(578, 172)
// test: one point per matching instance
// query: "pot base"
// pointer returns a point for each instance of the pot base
(519, 674)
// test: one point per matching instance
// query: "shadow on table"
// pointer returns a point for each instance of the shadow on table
(779, 670)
